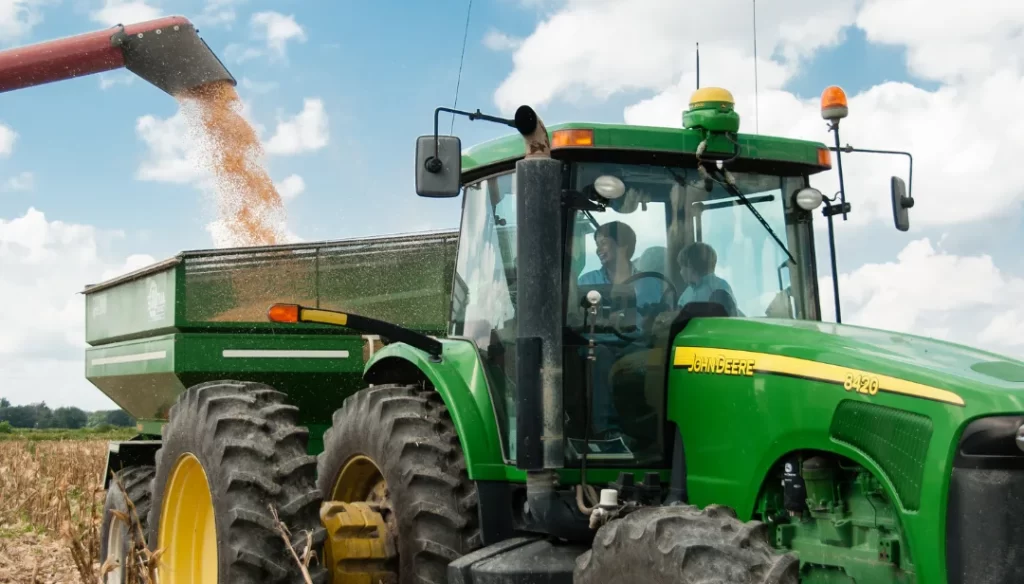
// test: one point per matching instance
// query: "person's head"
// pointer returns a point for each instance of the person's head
(696, 261)
(616, 242)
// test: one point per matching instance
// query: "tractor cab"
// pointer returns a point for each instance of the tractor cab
(651, 220)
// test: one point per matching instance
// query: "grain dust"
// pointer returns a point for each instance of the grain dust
(249, 205)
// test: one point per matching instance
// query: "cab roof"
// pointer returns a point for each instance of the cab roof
(815, 156)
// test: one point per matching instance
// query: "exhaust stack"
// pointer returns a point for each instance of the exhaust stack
(166, 52)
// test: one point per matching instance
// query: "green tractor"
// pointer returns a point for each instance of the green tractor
(618, 373)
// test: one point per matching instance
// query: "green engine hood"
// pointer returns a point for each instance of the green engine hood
(986, 382)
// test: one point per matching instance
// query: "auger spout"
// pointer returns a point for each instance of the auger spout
(167, 52)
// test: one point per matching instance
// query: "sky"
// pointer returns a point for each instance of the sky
(98, 176)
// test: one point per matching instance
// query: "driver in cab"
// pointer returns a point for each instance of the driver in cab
(616, 244)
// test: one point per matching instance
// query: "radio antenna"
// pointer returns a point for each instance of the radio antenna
(757, 116)
(698, 65)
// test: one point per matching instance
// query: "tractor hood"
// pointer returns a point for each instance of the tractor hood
(989, 380)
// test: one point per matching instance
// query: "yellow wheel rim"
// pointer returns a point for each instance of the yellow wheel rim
(359, 480)
(360, 546)
(188, 534)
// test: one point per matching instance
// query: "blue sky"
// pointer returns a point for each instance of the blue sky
(379, 69)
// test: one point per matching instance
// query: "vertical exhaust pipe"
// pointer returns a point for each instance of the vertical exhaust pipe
(540, 443)
(166, 52)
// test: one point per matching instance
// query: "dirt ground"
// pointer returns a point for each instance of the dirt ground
(50, 508)
(30, 558)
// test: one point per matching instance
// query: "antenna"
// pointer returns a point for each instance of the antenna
(757, 116)
(698, 65)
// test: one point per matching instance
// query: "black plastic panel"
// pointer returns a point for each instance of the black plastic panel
(525, 560)
(985, 516)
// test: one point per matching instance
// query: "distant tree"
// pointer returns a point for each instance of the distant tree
(71, 418)
(4, 403)
(120, 418)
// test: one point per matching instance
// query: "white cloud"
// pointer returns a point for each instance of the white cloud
(23, 181)
(126, 12)
(108, 80)
(928, 291)
(277, 30)
(305, 132)
(218, 12)
(959, 134)
(18, 18)
(496, 40)
(7, 139)
(45, 264)
(291, 187)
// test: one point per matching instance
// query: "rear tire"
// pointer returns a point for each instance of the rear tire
(408, 435)
(682, 545)
(230, 450)
(118, 538)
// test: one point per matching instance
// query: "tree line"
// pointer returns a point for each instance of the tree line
(40, 416)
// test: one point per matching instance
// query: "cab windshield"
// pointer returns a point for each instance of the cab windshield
(671, 239)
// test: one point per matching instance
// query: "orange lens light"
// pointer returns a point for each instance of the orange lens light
(833, 103)
(825, 157)
(284, 313)
(572, 138)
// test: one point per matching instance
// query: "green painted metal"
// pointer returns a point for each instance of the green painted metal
(671, 140)
(737, 428)
(401, 279)
(849, 533)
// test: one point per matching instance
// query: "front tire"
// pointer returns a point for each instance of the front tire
(231, 450)
(395, 447)
(681, 544)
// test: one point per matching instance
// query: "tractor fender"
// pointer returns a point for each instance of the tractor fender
(458, 378)
(124, 454)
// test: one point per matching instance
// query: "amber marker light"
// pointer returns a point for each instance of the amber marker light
(288, 313)
(572, 138)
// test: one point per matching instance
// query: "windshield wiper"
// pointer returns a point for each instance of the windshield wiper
(736, 193)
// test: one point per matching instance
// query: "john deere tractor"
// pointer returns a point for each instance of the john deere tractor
(617, 370)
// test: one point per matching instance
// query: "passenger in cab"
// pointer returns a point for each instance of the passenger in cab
(697, 263)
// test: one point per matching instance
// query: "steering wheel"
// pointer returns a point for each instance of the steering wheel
(675, 294)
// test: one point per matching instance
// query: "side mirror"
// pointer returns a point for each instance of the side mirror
(438, 171)
(900, 203)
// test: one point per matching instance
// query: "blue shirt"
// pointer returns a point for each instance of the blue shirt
(702, 290)
(648, 290)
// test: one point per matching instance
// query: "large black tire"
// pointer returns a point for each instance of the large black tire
(135, 480)
(683, 545)
(407, 432)
(253, 453)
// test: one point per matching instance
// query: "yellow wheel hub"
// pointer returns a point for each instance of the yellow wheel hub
(188, 534)
(360, 546)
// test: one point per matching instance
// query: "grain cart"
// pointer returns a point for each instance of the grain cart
(633, 384)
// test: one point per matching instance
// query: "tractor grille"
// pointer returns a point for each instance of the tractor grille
(897, 440)
(986, 503)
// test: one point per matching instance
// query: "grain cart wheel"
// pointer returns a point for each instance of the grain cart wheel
(401, 503)
(683, 545)
(230, 451)
(118, 537)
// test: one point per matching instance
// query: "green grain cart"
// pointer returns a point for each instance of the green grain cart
(615, 371)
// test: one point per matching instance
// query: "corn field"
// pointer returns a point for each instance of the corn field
(51, 505)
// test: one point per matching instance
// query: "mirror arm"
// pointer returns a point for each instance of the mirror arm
(910, 157)
(434, 163)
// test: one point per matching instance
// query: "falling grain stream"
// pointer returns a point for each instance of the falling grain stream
(248, 202)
